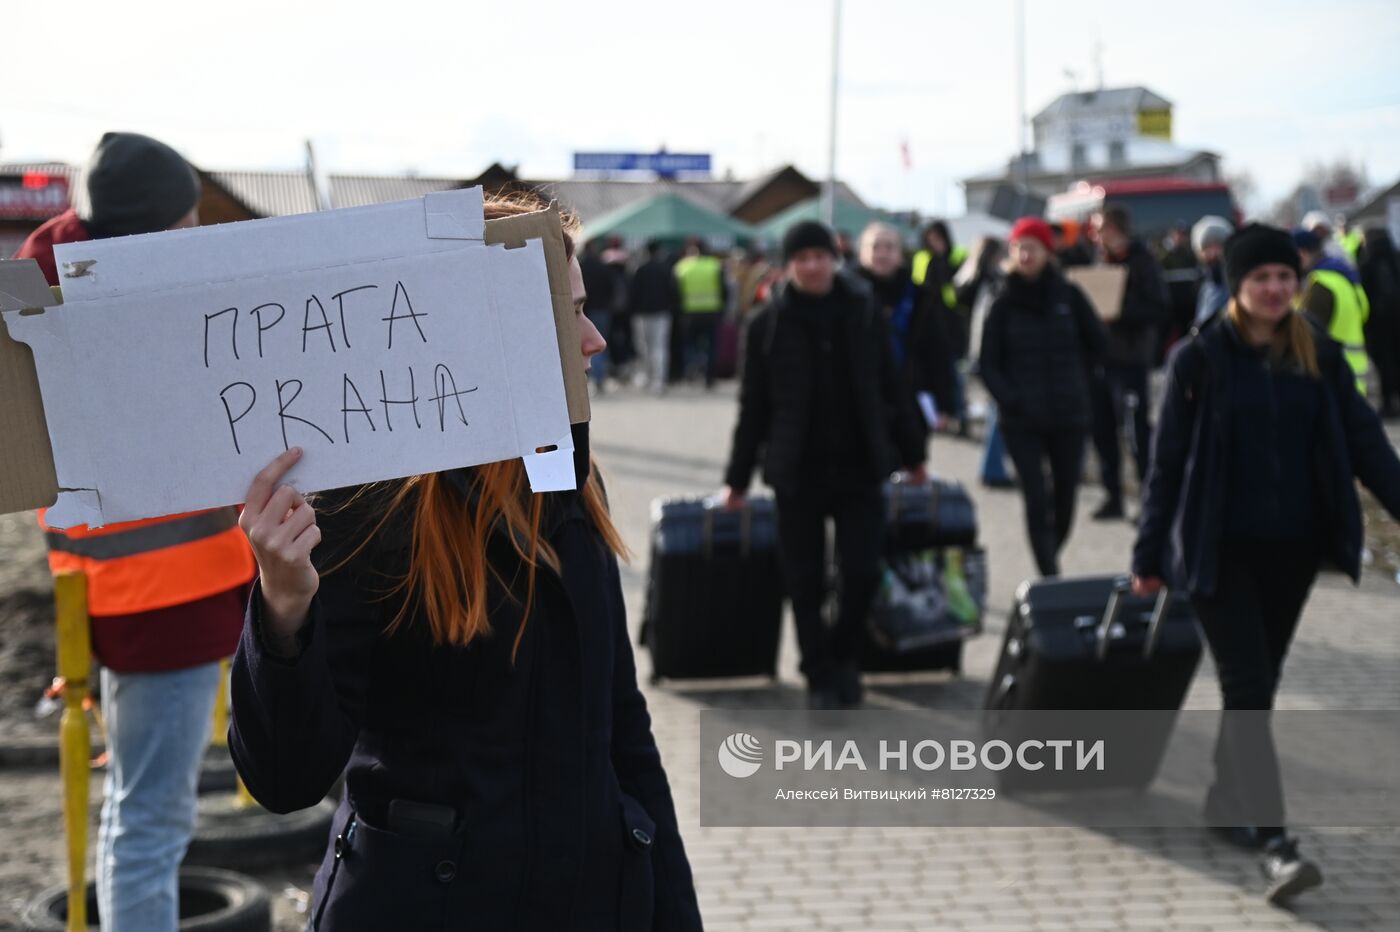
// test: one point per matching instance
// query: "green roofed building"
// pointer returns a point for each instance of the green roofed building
(671, 218)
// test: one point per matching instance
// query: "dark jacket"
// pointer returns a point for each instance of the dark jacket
(1040, 343)
(1183, 517)
(564, 815)
(602, 282)
(777, 390)
(1132, 338)
(654, 289)
(923, 348)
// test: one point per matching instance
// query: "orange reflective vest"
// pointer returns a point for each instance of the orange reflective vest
(140, 566)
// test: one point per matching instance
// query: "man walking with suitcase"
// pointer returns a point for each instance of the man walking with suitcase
(821, 407)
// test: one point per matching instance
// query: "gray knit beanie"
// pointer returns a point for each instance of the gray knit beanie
(1210, 230)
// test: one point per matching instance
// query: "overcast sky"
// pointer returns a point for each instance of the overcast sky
(447, 89)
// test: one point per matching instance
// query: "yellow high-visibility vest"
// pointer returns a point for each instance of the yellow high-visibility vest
(700, 279)
(919, 271)
(1350, 309)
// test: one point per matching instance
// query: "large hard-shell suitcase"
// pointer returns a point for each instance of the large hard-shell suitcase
(1088, 644)
(938, 513)
(714, 603)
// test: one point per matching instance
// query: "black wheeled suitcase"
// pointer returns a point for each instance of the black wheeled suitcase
(714, 602)
(1088, 644)
(920, 518)
(938, 513)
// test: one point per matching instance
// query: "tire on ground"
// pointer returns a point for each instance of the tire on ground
(210, 901)
(216, 771)
(230, 835)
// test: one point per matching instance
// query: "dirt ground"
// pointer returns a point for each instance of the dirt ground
(26, 628)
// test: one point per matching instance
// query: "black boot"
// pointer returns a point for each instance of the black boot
(848, 689)
(1111, 510)
(1287, 872)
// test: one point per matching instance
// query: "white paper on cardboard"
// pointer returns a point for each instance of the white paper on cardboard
(553, 471)
(170, 377)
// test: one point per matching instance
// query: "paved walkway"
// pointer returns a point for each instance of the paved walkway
(1345, 656)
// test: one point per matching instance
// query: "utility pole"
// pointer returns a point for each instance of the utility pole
(1020, 26)
(320, 184)
(829, 189)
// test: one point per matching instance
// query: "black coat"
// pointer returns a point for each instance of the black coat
(928, 346)
(776, 394)
(565, 817)
(1040, 343)
(654, 289)
(1184, 511)
(1132, 338)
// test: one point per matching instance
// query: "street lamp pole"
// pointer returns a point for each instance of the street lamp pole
(829, 189)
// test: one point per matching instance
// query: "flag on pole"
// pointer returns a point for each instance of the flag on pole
(904, 154)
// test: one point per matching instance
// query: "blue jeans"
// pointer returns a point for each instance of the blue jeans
(158, 726)
(993, 468)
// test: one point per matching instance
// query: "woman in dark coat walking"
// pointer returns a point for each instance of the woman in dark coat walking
(1251, 488)
(1039, 344)
(458, 647)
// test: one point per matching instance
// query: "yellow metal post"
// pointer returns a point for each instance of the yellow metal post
(220, 737)
(74, 666)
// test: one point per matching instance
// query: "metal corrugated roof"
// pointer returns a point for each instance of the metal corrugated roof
(360, 190)
(280, 193)
(277, 194)
(70, 172)
(269, 194)
(1109, 98)
(591, 199)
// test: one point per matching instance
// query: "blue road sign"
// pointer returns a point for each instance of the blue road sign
(665, 164)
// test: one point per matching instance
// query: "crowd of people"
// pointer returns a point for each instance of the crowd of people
(1248, 483)
(850, 357)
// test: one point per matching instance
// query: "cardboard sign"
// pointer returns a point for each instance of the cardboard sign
(387, 341)
(1104, 285)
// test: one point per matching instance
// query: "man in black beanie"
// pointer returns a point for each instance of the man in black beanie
(820, 408)
(158, 629)
(132, 184)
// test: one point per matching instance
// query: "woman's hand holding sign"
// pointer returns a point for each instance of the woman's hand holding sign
(282, 529)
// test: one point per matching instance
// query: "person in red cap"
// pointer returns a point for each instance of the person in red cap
(1039, 343)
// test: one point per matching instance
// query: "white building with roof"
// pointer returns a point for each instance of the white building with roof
(1111, 133)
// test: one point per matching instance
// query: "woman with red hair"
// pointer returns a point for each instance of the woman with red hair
(458, 647)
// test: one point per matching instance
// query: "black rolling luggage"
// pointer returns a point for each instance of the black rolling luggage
(714, 591)
(938, 513)
(1089, 644)
(912, 626)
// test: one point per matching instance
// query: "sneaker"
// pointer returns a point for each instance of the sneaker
(1287, 872)
(1111, 510)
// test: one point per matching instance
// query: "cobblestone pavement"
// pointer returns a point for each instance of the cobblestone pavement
(936, 879)
(1345, 656)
